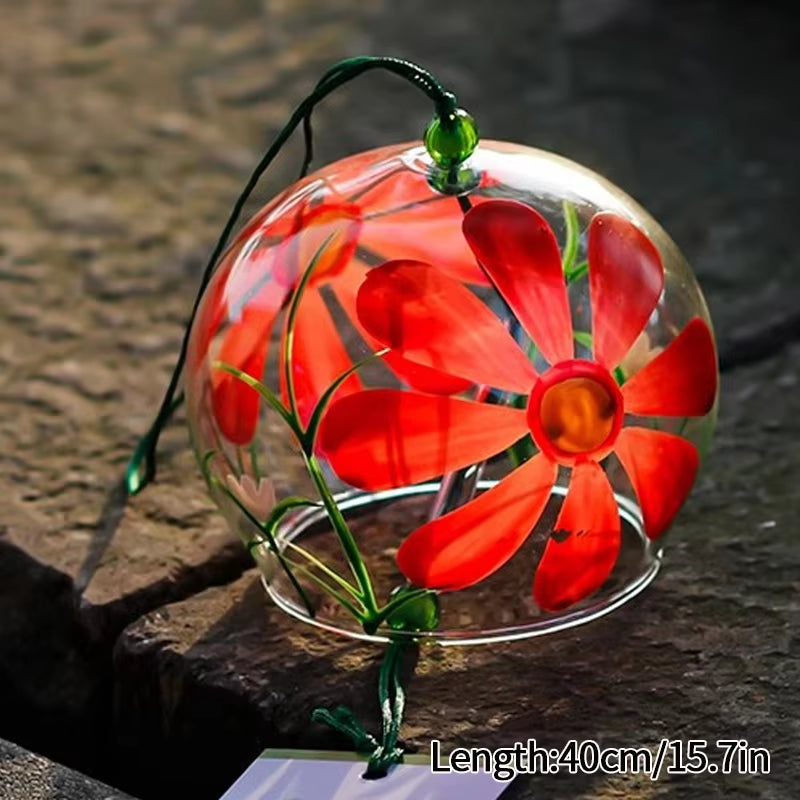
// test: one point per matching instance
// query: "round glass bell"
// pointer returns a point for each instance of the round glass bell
(458, 404)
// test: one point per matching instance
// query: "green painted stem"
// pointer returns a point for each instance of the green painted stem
(327, 588)
(291, 318)
(571, 243)
(578, 272)
(351, 551)
(322, 567)
(273, 546)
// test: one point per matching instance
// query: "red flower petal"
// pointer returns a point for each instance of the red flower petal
(279, 249)
(327, 232)
(435, 321)
(404, 218)
(421, 378)
(390, 437)
(234, 403)
(679, 382)
(518, 250)
(662, 468)
(626, 277)
(583, 548)
(210, 314)
(318, 358)
(470, 543)
(424, 379)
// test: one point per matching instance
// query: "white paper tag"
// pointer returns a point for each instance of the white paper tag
(310, 775)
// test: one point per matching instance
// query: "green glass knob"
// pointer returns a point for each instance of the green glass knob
(419, 614)
(451, 140)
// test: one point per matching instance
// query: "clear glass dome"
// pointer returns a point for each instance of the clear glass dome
(458, 406)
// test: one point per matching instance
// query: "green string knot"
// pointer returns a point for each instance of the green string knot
(391, 695)
(343, 720)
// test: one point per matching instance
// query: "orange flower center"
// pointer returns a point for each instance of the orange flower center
(575, 412)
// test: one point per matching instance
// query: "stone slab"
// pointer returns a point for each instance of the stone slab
(709, 651)
(26, 776)
(125, 133)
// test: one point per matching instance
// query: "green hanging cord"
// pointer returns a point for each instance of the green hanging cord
(392, 708)
(308, 134)
(448, 141)
(385, 753)
(450, 138)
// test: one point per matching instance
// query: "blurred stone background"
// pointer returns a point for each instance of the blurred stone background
(151, 658)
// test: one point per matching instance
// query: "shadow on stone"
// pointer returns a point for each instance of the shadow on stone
(54, 680)
(107, 525)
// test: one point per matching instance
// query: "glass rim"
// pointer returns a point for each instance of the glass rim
(560, 621)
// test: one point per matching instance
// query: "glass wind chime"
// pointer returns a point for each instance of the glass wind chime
(445, 392)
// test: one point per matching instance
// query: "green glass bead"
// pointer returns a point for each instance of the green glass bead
(452, 141)
(421, 614)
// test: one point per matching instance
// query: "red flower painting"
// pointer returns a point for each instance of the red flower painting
(346, 225)
(576, 413)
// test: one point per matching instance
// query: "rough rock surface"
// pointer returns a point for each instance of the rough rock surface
(25, 776)
(126, 130)
(122, 141)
